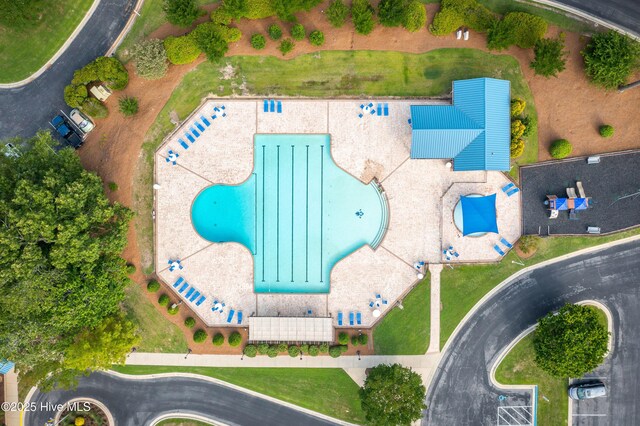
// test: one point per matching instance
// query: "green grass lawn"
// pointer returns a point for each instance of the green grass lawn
(158, 334)
(397, 333)
(326, 390)
(25, 50)
(323, 75)
(519, 368)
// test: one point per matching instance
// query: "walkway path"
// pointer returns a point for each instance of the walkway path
(434, 336)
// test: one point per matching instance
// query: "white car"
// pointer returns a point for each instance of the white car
(82, 121)
(587, 391)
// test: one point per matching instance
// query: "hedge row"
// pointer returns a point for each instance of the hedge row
(273, 351)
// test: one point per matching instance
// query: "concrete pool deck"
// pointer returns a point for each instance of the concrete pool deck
(420, 193)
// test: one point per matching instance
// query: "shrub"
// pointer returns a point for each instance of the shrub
(343, 338)
(75, 95)
(94, 108)
(275, 32)
(211, 39)
(335, 351)
(258, 9)
(415, 16)
(221, 16)
(529, 243)
(189, 322)
(285, 9)
(313, 350)
(235, 9)
(286, 46)
(181, 12)
(362, 16)
(235, 339)
(218, 339)
(517, 106)
(258, 41)
(294, 351)
(181, 50)
(529, 124)
(173, 309)
(163, 300)
(105, 69)
(391, 12)
(153, 286)
(316, 38)
(610, 58)
(233, 35)
(550, 57)
(272, 352)
(304, 348)
(150, 58)
(199, 336)
(323, 348)
(363, 339)
(79, 421)
(516, 148)
(298, 32)
(128, 105)
(250, 351)
(606, 131)
(354, 340)
(131, 268)
(517, 129)
(263, 348)
(445, 22)
(464, 12)
(337, 13)
(282, 347)
(560, 148)
(519, 28)
(112, 186)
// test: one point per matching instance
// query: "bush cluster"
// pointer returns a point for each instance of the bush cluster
(218, 339)
(212, 39)
(75, 95)
(560, 148)
(181, 12)
(415, 16)
(337, 13)
(455, 13)
(94, 108)
(337, 350)
(150, 58)
(294, 351)
(272, 352)
(610, 58)
(362, 16)
(313, 350)
(323, 348)
(263, 348)
(517, 106)
(606, 131)
(153, 286)
(258, 9)
(519, 28)
(343, 338)
(316, 38)
(250, 350)
(235, 339)
(199, 336)
(519, 127)
(411, 14)
(189, 322)
(181, 50)
(258, 41)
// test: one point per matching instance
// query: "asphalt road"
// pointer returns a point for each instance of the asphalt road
(623, 13)
(29, 108)
(137, 402)
(461, 393)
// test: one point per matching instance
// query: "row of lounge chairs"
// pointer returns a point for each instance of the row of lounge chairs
(200, 125)
(357, 316)
(271, 105)
(505, 243)
(510, 189)
(192, 295)
(218, 307)
(381, 109)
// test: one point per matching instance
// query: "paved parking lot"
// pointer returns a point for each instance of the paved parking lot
(594, 412)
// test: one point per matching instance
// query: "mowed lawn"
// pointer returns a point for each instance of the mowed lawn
(519, 368)
(25, 50)
(326, 390)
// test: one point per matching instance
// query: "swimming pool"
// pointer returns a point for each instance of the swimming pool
(298, 213)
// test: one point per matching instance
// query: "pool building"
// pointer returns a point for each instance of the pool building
(321, 208)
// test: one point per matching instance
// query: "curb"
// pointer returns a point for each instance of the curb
(59, 53)
(95, 402)
(126, 29)
(183, 415)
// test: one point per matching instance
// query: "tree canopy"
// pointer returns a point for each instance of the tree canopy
(60, 244)
(550, 57)
(181, 12)
(211, 39)
(571, 342)
(610, 58)
(392, 395)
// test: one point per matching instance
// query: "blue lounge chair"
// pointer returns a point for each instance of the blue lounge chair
(279, 107)
(371, 304)
(507, 187)
(183, 143)
(178, 281)
(359, 318)
(272, 106)
(205, 121)
(202, 299)
(191, 138)
(379, 109)
(265, 106)
(200, 126)
(506, 243)
(386, 109)
(370, 104)
(339, 317)
(360, 115)
(195, 296)
(230, 317)
(378, 296)
(190, 292)
(361, 106)
(385, 302)
(500, 252)
(184, 287)
(350, 318)
(373, 111)
(409, 121)
(194, 132)
(222, 107)
(239, 317)
(513, 191)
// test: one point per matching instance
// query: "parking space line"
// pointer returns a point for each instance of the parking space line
(589, 415)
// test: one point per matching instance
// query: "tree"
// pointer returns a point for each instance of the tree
(285, 9)
(181, 50)
(571, 342)
(150, 58)
(211, 39)
(153, 286)
(75, 95)
(392, 395)
(415, 16)
(199, 336)
(60, 265)
(258, 41)
(610, 58)
(181, 12)
(391, 13)
(455, 13)
(128, 105)
(343, 338)
(105, 69)
(298, 32)
(236, 9)
(560, 148)
(550, 57)
(337, 13)
(445, 22)
(362, 16)
(316, 38)
(519, 28)
(100, 347)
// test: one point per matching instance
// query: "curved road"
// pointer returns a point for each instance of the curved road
(622, 13)
(29, 108)
(461, 393)
(136, 402)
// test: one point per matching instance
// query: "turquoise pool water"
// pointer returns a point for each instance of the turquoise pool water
(298, 213)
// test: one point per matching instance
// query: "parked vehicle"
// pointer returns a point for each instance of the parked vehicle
(587, 391)
(63, 128)
(83, 122)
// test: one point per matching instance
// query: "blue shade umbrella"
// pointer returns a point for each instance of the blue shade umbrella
(479, 214)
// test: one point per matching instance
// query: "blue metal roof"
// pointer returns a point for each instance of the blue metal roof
(5, 366)
(475, 131)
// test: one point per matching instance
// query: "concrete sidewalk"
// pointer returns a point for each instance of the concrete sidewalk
(434, 334)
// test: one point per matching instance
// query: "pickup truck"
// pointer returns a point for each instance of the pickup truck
(65, 131)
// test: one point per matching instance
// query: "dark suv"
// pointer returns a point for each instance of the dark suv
(64, 129)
